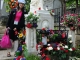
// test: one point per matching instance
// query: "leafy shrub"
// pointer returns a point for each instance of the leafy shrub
(33, 57)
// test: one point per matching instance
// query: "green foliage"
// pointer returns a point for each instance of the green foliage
(71, 3)
(7, 5)
(39, 37)
(33, 57)
(27, 5)
(77, 52)
(32, 18)
(25, 51)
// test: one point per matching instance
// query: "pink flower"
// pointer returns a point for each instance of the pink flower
(79, 25)
(78, 19)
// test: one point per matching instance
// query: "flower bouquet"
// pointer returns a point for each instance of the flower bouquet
(13, 4)
(21, 35)
(32, 20)
(61, 51)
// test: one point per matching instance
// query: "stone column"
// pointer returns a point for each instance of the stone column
(31, 40)
(28, 38)
(70, 32)
(73, 37)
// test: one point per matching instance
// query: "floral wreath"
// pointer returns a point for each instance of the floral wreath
(13, 4)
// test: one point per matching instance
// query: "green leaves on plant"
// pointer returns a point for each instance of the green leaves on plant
(32, 18)
(33, 57)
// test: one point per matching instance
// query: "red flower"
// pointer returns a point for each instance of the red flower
(51, 31)
(43, 55)
(16, 32)
(29, 25)
(40, 43)
(39, 8)
(43, 28)
(61, 48)
(18, 58)
(55, 48)
(66, 51)
(78, 19)
(47, 58)
(63, 35)
(52, 10)
(73, 49)
(37, 47)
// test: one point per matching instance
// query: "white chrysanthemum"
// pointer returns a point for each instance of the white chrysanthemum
(58, 48)
(65, 46)
(70, 36)
(70, 41)
(70, 49)
(50, 48)
(48, 44)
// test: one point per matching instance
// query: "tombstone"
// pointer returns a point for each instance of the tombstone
(46, 20)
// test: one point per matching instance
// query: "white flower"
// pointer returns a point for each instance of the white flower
(48, 44)
(58, 48)
(61, 23)
(70, 41)
(70, 36)
(62, 46)
(50, 48)
(65, 46)
(70, 49)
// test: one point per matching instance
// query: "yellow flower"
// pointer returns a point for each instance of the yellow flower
(20, 35)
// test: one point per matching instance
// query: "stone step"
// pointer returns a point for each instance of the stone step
(1, 35)
(3, 55)
(2, 29)
(6, 58)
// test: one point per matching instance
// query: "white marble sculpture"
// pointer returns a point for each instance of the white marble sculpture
(35, 5)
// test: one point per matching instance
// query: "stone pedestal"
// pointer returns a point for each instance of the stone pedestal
(31, 40)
